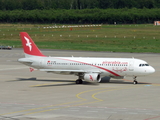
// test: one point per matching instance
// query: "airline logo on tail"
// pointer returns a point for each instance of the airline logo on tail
(29, 47)
(28, 43)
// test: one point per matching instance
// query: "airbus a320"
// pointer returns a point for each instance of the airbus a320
(87, 69)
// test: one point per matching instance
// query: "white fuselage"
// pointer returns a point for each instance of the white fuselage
(114, 67)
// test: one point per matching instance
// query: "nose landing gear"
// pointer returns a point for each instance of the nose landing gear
(135, 81)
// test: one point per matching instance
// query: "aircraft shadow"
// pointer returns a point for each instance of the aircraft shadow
(66, 84)
(71, 82)
(124, 82)
(119, 81)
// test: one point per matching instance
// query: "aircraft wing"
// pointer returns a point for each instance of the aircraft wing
(63, 71)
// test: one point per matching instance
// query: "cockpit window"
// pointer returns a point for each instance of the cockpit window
(141, 65)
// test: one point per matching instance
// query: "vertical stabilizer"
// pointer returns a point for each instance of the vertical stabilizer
(29, 47)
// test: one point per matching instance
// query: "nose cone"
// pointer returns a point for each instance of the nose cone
(151, 70)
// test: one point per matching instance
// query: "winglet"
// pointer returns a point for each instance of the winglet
(29, 47)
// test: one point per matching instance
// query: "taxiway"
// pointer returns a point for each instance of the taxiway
(38, 95)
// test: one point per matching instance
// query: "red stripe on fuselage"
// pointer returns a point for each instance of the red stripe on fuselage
(115, 74)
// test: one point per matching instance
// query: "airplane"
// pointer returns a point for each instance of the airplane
(87, 69)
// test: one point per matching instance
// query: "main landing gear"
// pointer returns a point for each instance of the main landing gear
(79, 81)
(135, 81)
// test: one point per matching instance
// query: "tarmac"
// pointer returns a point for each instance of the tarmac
(39, 95)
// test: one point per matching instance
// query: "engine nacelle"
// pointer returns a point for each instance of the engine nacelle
(92, 77)
(118, 77)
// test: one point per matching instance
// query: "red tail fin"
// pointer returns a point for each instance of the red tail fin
(29, 47)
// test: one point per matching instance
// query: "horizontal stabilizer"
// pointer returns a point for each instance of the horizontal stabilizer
(25, 60)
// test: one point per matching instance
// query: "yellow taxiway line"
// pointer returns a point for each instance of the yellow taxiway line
(68, 103)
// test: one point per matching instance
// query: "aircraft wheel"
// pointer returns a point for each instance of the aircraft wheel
(79, 81)
(135, 82)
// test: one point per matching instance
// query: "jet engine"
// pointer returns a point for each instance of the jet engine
(92, 77)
